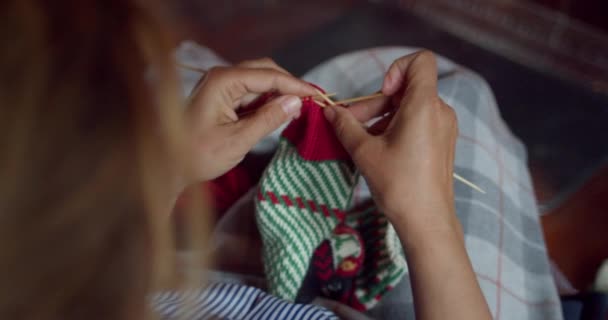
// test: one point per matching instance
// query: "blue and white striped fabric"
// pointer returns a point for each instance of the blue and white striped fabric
(232, 301)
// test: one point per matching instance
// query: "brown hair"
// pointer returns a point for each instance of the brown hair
(86, 105)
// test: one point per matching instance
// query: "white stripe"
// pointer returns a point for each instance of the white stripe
(244, 303)
(295, 177)
(306, 177)
(269, 226)
(318, 215)
(310, 221)
(330, 173)
(267, 314)
(218, 310)
(273, 302)
(347, 183)
(211, 303)
(318, 183)
(263, 304)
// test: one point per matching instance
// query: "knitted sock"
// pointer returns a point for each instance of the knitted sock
(314, 243)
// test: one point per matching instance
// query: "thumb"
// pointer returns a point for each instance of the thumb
(348, 129)
(269, 118)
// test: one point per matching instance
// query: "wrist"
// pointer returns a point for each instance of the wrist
(420, 228)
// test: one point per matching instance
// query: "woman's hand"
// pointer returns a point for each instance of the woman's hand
(220, 139)
(407, 157)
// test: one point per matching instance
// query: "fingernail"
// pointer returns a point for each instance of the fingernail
(330, 113)
(291, 105)
(388, 82)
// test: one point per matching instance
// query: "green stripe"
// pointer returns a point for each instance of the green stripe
(337, 181)
(311, 181)
(279, 260)
(381, 287)
(304, 227)
(318, 235)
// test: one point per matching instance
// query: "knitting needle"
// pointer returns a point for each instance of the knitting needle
(244, 113)
(468, 183)
(346, 101)
(363, 98)
(377, 95)
(331, 102)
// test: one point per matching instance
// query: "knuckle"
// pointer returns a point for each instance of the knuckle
(427, 56)
(216, 73)
(431, 105)
(246, 63)
(340, 125)
(270, 119)
(267, 60)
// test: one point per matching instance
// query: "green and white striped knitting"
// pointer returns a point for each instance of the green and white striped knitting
(310, 234)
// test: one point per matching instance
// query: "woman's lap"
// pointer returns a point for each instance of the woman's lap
(502, 230)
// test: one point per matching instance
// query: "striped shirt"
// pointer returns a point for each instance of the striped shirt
(232, 301)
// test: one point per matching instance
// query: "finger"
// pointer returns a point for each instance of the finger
(236, 82)
(348, 129)
(418, 69)
(268, 118)
(263, 63)
(366, 110)
(379, 127)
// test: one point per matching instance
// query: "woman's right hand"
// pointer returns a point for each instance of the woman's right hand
(407, 157)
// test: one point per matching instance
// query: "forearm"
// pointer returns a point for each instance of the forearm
(443, 282)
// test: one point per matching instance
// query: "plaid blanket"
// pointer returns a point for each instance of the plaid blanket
(503, 235)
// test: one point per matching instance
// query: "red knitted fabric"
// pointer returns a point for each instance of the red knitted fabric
(313, 135)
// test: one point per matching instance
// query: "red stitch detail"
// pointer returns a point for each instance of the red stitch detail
(312, 205)
(324, 275)
(273, 197)
(325, 210)
(322, 263)
(300, 203)
(287, 200)
(339, 214)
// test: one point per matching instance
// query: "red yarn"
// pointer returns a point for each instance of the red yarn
(311, 133)
(229, 188)
(314, 136)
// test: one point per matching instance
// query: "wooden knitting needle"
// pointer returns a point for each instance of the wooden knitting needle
(346, 101)
(324, 96)
(244, 113)
(377, 95)
(468, 183)
(363, 98)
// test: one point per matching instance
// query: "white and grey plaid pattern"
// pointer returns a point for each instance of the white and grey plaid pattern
(502, 230)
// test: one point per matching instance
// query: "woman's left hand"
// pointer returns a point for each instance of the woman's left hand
(219, 138)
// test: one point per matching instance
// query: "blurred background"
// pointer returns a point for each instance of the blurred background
(546, 60)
